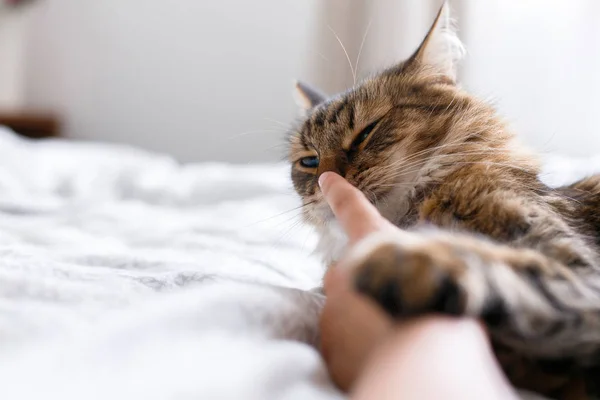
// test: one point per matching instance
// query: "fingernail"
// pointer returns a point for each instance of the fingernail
(323, 179)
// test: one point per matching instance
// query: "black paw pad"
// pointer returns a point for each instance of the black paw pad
(448, 298)
(386, 293)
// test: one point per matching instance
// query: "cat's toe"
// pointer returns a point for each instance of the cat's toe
(410, 281)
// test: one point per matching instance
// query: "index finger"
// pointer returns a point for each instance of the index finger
(354, 212)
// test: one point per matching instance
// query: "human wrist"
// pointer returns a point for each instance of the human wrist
(432, 357)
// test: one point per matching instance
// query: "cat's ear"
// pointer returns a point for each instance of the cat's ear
(441, 48)
(307, 97)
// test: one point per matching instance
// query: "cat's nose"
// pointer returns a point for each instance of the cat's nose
(330, 164)
(327, 164)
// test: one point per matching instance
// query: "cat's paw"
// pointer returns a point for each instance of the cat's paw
(410, 275)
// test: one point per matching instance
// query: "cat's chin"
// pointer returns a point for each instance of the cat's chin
(322, 212)
(332, 241)
(393, 206)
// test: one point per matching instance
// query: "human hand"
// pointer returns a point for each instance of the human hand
(364, 349)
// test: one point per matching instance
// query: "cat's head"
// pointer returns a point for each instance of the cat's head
(381, 134)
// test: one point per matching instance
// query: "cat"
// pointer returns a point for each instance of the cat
(480, 235)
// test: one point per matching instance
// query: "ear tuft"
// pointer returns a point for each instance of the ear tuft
(307, 97)
(441, 48)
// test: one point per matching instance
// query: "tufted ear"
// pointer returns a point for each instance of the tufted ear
(441, 49)
(307, 97)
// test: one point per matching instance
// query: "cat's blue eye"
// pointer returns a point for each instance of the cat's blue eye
(310, 162)
(362, 136)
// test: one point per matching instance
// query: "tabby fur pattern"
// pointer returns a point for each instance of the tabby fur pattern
(480, 236)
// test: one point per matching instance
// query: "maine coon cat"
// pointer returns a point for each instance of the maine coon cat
(481, 235)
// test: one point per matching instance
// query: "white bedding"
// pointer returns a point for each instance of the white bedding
(124, 275)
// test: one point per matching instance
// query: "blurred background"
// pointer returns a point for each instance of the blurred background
(211, 80)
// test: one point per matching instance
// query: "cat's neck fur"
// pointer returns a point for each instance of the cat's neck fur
(484, 141)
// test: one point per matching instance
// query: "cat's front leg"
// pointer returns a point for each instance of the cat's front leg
(409, 274)
(529, 302)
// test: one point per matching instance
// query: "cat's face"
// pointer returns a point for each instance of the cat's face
(377, 135)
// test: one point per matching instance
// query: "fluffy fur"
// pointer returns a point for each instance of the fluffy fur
(481, 235)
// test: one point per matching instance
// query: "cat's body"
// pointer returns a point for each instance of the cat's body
(481, 234)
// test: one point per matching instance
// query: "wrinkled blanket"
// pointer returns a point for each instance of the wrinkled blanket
(125, 275)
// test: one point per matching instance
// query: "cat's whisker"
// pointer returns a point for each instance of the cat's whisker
(507, 166)
(360, 49)
(416, 182)
(283, 124)
(405, 172)
(282, 213)
(294, 218)
(404, 165)
(459, 142)
(254, 132)
(283, 158)
(284, 235)
(345, 52)
(452, 101)
(279, 145)
(320, 55)
(308, 235)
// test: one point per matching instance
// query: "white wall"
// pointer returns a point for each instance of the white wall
(540, 61)
(12, 45)
(186, 77)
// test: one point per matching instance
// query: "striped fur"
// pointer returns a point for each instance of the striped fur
(481, 235)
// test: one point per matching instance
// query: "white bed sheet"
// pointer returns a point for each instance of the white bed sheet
(125, 275)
